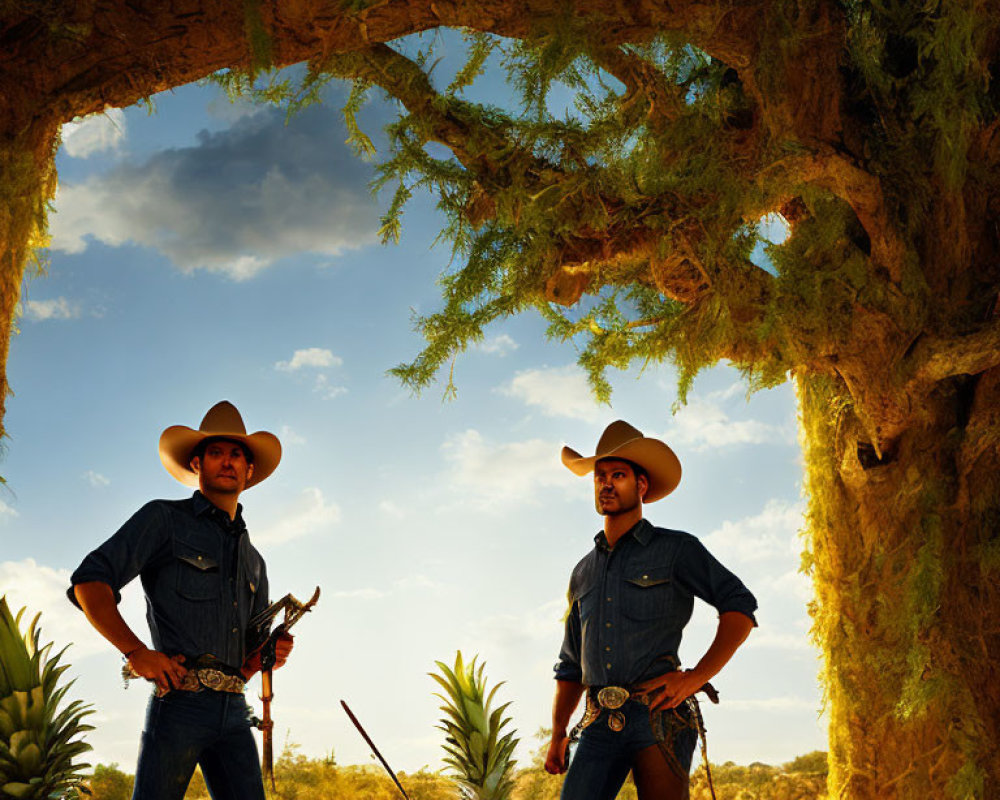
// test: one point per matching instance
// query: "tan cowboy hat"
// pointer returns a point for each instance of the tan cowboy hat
(621, 440)
(222, 421)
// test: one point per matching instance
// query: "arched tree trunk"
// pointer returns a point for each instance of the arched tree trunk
(905, 556)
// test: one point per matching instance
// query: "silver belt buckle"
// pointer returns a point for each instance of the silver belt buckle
(612, 697)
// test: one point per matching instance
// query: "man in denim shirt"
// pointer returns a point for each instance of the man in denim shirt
(204, 582)
(630, 598)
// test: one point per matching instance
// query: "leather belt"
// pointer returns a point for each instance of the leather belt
(610, 699)
(197, 679)
(216, 680)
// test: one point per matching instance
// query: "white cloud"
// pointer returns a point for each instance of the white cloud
(309, 358)
(309, 515)
(56, 308)
(489, 474)
(323, 387)
(773, 533)
(6, 512)
(792, 583)
(235, 203)
(735, 389)
(774, 704)
(500, 345)
(703, 425)
(390, 509)
(795, 642)
(360, 594)
(96, 479)
(557, 392)
(774, 228)
(419, 582)
(515, 631)
(287, 436)
(94, 134)
(43, 589)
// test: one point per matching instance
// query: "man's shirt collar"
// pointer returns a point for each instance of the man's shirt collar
(641, 531)
(202, 505)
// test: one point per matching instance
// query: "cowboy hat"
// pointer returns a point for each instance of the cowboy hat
(223, 421)
(621, 440)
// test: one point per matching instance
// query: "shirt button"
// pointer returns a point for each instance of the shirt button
(607, 624)
(609, 599)
(607, 649)
(608, 665)
(645, 577)
(236, 630)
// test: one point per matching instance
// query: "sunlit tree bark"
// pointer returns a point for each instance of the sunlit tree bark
(871, 127)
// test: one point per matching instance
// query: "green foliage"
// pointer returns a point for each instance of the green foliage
(923, 76)
(481, 45)
(568, 181)
(261, 56)
(26, 188)
(38, 740)
(302, 778)
(813, 763)
(110, 783)
(923, 602)
(478, 751)
(968, 783)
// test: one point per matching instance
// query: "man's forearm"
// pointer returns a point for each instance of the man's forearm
(567, 698)
(734, 627)
(98, 602)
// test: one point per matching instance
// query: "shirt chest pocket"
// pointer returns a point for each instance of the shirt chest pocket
(647, 595)
(198, 576)
(587, 601)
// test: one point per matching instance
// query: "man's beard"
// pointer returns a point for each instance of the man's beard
(622, 508)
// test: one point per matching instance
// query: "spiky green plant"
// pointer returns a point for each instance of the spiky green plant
(38, 741)
(477, 750)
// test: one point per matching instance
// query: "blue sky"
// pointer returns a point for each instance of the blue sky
(210, 251)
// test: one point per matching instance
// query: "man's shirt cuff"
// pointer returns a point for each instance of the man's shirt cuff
(567, 672)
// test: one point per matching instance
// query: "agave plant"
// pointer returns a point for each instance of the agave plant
(38, 742)
(477, 750)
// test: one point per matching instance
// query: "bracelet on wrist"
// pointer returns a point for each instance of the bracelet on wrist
(127, 656)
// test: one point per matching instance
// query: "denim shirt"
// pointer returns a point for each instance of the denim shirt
(629, 605)
(203, 579)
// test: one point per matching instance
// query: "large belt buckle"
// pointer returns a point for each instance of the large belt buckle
(612, 697)
(211, 679)
(219, 681)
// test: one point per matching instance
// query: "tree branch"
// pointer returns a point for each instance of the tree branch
(861, 190)
(448, 119)
(677, 273)
(75, 59)
(642, 80)
(935, 358)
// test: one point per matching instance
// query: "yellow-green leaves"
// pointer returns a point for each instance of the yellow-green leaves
(477, 749)
(38, 740)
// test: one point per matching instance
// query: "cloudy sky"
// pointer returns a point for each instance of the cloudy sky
(208, 251)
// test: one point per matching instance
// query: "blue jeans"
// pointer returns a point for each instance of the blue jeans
(210, 729)
(603, 757)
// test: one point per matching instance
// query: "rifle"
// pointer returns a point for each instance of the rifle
(294, 610)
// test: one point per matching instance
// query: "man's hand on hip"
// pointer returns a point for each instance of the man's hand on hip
(671, 689)
(165, 671)
(555, 759)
